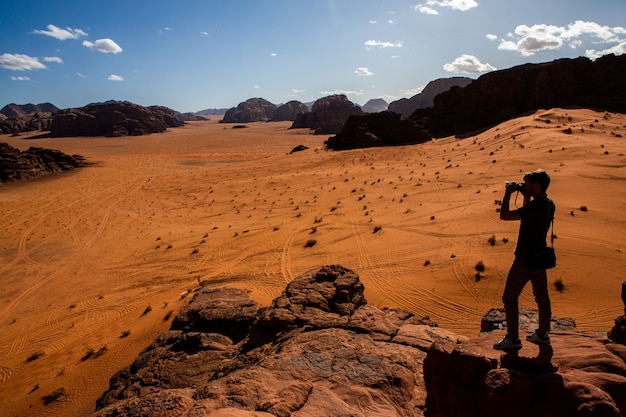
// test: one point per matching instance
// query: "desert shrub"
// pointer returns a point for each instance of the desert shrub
(377, 229)
(53, 396)
(168, 315)
(583, 208)
(492, 240)
(480, 267)
(427, 262)
(559, 285)
(35, 355)
(147, 310)
(310, 243)
(124, 334)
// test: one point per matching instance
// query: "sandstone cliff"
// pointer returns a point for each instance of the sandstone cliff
(426, 98)
(289, 111)
(321, 350)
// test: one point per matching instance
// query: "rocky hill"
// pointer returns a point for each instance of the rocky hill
(119, 118)
(20, 110)
(289, 111)
(34, 162)
(321, 350)
(251, 110)
(406, 106)
(327, 115)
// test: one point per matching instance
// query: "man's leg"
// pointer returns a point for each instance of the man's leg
(515, 282)
(539, 281)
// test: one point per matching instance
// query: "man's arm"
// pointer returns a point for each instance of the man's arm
(505, 211)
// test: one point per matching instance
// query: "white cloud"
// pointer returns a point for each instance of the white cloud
(426, 10)
(296, 91)
(20, 78)
(617, 50)
(61, 34)
(256, 87)
(19, 62)
(468, 64)
(346, 92)
(373, 22)
(430, 7)
(529, 40)
(103, 45)
(492, 37)
(203, 33)
(413, 91)
(114, 77)
(363, 72)
(383, 44)
(81, 75)
(273, 54)
(53, 59)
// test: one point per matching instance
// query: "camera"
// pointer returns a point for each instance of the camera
(519, 186)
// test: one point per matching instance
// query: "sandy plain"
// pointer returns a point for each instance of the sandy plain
(95, 263)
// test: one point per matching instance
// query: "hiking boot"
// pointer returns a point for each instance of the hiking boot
(539, 339)
(508, 344)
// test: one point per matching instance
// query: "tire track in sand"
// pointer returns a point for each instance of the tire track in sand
(28, 291)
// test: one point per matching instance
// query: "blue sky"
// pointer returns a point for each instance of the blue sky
(195, 54)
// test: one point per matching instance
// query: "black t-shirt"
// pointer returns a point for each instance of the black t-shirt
(536, 218)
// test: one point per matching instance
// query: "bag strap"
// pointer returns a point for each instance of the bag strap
(552, 234)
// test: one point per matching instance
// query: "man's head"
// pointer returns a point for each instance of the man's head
(538, 179)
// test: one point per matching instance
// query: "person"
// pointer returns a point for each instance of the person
(535, 215)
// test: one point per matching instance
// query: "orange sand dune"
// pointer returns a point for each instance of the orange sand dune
(95, 263)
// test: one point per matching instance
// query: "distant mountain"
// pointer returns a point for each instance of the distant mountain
(406, 106)
(375, 105)
(20, 110)
(208, 112)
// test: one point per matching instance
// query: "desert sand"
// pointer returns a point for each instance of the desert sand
(96, 262)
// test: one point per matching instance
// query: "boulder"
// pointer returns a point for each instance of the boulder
(289, 111)
(328, 115)
(115, 118)
(34, 162)
(377, 129)
(25, 123)
(251, 110)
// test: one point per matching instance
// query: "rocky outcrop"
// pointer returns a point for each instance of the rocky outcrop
(34, 162)
(318, 350)
(379, 129)
(500, 95)
(328, 115)
(375, 105)
(578, 374)
(118, 118)
(251, 110)
(289, 111)
(426, 98)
